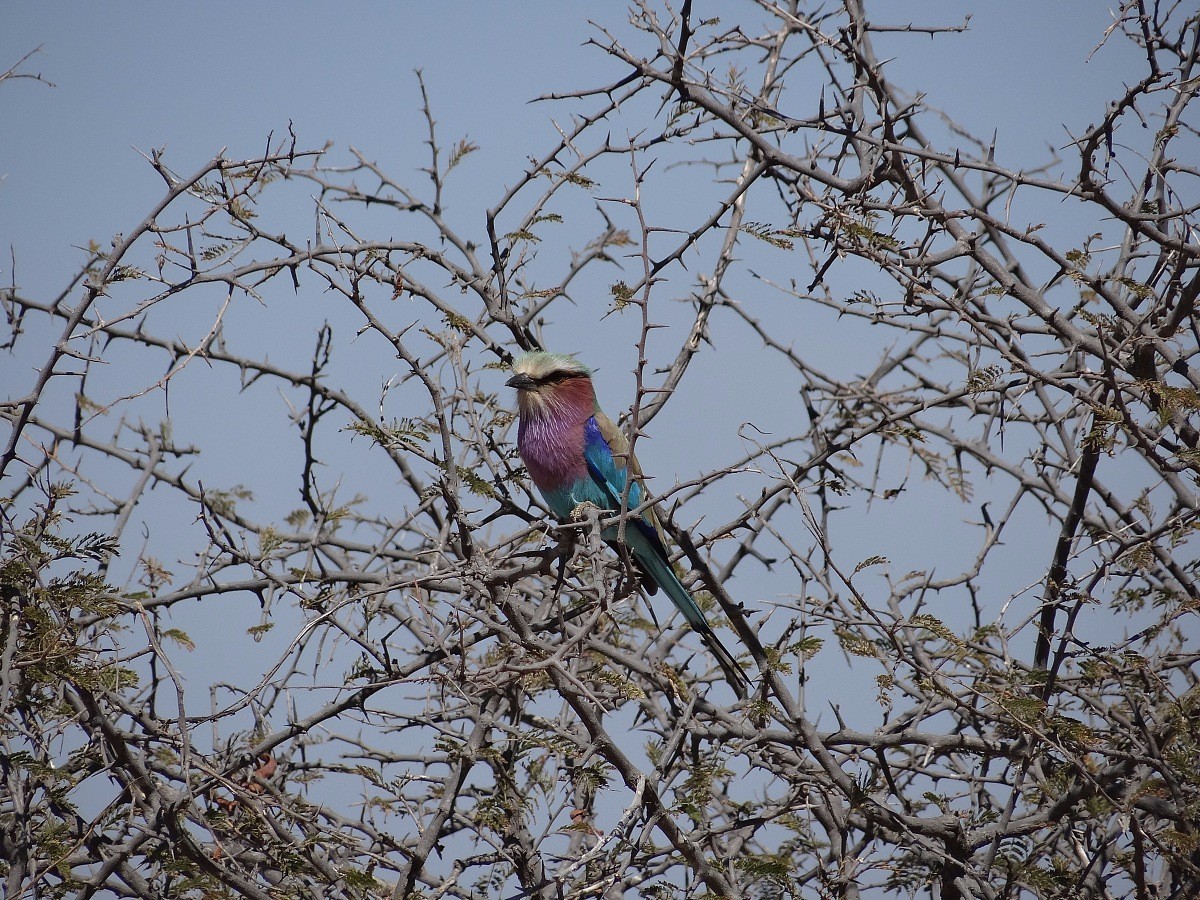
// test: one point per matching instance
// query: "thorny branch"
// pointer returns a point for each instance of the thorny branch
(426, 688)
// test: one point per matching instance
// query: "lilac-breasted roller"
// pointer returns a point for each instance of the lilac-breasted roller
(575, 455)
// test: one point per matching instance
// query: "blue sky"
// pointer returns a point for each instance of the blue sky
(198, 79)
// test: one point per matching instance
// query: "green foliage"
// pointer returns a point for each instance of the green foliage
(126, 273)
(224, 502)
(48, 590)
(807, 647)
(769, 235)
(871, 561)
(697, 789)
(660, 892)
(45, 588)
(591, 777)
(457, 322)
(475, 484)
(622, 294)
(623, 684)
(1078, 258)
(910, 876)
(240, 211)
(399, 434)
(208, 254)
(776, 661)
(934, 624)
(768, 869)
(859, 225)
(983, 379)
(461, 151)
(579, 180)
(522, 235)
(1026, 710)
(855, 644)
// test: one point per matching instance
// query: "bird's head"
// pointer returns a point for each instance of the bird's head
(544, 381)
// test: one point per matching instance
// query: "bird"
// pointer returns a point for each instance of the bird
(576, 455)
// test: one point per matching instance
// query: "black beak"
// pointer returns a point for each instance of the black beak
(521, 382)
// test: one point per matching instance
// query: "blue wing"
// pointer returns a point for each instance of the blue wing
(610, 473)
(611, 476)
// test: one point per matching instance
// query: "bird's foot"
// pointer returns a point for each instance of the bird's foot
(584, 511)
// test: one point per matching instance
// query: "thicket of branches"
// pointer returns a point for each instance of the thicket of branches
(411, 682)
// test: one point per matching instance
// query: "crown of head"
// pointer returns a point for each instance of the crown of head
(547, 368)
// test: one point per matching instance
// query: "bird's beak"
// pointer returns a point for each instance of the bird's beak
(521, 382)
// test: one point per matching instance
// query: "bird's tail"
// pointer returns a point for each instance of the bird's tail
(661, 571)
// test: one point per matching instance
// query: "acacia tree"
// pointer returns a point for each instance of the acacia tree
(414, 683)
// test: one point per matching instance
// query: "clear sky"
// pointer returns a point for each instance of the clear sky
(202, 78)
(197, 78)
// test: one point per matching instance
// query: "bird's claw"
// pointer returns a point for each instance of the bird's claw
(583, 511)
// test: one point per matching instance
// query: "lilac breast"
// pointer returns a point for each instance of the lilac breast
(552, 450)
